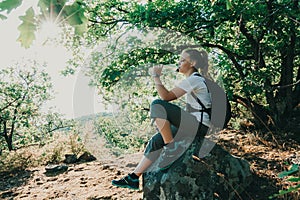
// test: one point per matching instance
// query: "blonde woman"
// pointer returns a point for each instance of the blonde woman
(174, 123)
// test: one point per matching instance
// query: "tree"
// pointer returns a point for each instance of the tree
(257, 44)
(58, 12)
(22, 93)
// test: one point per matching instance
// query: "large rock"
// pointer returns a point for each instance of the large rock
(218, 175)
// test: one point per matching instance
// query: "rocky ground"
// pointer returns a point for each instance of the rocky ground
(92, 180)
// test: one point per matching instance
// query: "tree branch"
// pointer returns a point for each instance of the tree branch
(122, 10)
(59, 127)
(260, 113)
(107, 22)
(232, 56)
(254, 43)
(8, 105)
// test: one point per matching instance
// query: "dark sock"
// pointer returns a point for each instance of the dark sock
(133, 176)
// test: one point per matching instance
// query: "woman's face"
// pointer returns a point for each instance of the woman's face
(184, 64)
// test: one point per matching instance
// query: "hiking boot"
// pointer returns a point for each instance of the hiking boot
(127, 182)
(169, 155)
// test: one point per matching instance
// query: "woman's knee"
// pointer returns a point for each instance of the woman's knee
(158, 109)
(158, 101)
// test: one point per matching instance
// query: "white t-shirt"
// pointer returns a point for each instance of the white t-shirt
(197, 85)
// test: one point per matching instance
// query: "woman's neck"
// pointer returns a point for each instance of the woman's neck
(190, 72)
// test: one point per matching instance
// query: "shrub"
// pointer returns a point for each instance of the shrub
(294, 182)
(122, 135)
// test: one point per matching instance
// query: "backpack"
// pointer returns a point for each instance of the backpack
(220, 112)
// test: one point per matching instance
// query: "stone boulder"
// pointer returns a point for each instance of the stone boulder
(218, 175)
(85, 157)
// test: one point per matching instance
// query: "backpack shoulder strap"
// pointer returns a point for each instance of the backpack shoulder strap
(197, 74)
(204, 109)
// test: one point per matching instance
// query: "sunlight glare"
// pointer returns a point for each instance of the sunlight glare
(49, 30)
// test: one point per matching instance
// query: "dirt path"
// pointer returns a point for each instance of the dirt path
(92, 180)
(81, 181)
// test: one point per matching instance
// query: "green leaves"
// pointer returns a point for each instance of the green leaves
(66, 14)
(282, 192)
(9, 5)
(2, 17)
(250, 42)
(292, 170)
(75, 16)
(23, 92)
(228, 4)
(27, 28)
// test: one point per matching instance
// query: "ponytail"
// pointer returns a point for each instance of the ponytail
(201, 59)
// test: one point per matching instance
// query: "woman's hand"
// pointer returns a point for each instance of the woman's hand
(156, 70)
(165, 94)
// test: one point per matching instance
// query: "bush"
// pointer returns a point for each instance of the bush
(293, 182)
(52, 152)
(123, 135)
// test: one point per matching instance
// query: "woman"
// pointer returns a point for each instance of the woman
(175, 124)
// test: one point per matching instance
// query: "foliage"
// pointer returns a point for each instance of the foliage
(121, 72)
(23, 92)
(253, 44)
(56, 11)
(52, 151)
(76, 144)
(50, 122)
(27, 28)
(8, 6)
(295, 180)
(62, 142)
(122, 135)
(15, 161)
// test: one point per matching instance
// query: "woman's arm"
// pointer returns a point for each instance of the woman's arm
(165, 94)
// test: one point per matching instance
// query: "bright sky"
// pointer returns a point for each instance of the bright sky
(73, 97)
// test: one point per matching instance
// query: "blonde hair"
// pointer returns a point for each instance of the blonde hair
(201, 59)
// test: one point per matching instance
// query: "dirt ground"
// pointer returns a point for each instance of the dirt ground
(92, 180)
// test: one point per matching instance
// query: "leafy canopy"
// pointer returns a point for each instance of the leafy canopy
(254, 46)
(61, 12)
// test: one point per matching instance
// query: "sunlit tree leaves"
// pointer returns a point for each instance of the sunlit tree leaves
(27, 28)
(9, 5)
(61, 11)
(2, 17)
(22, 93)
(74, 14)
(255, 45)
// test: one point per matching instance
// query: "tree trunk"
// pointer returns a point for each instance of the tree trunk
(282, 103)
(9, 143)
(260, 113)
(7, 136)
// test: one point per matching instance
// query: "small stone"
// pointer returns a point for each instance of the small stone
(56, 168)
(70, 159)
(86, 157)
